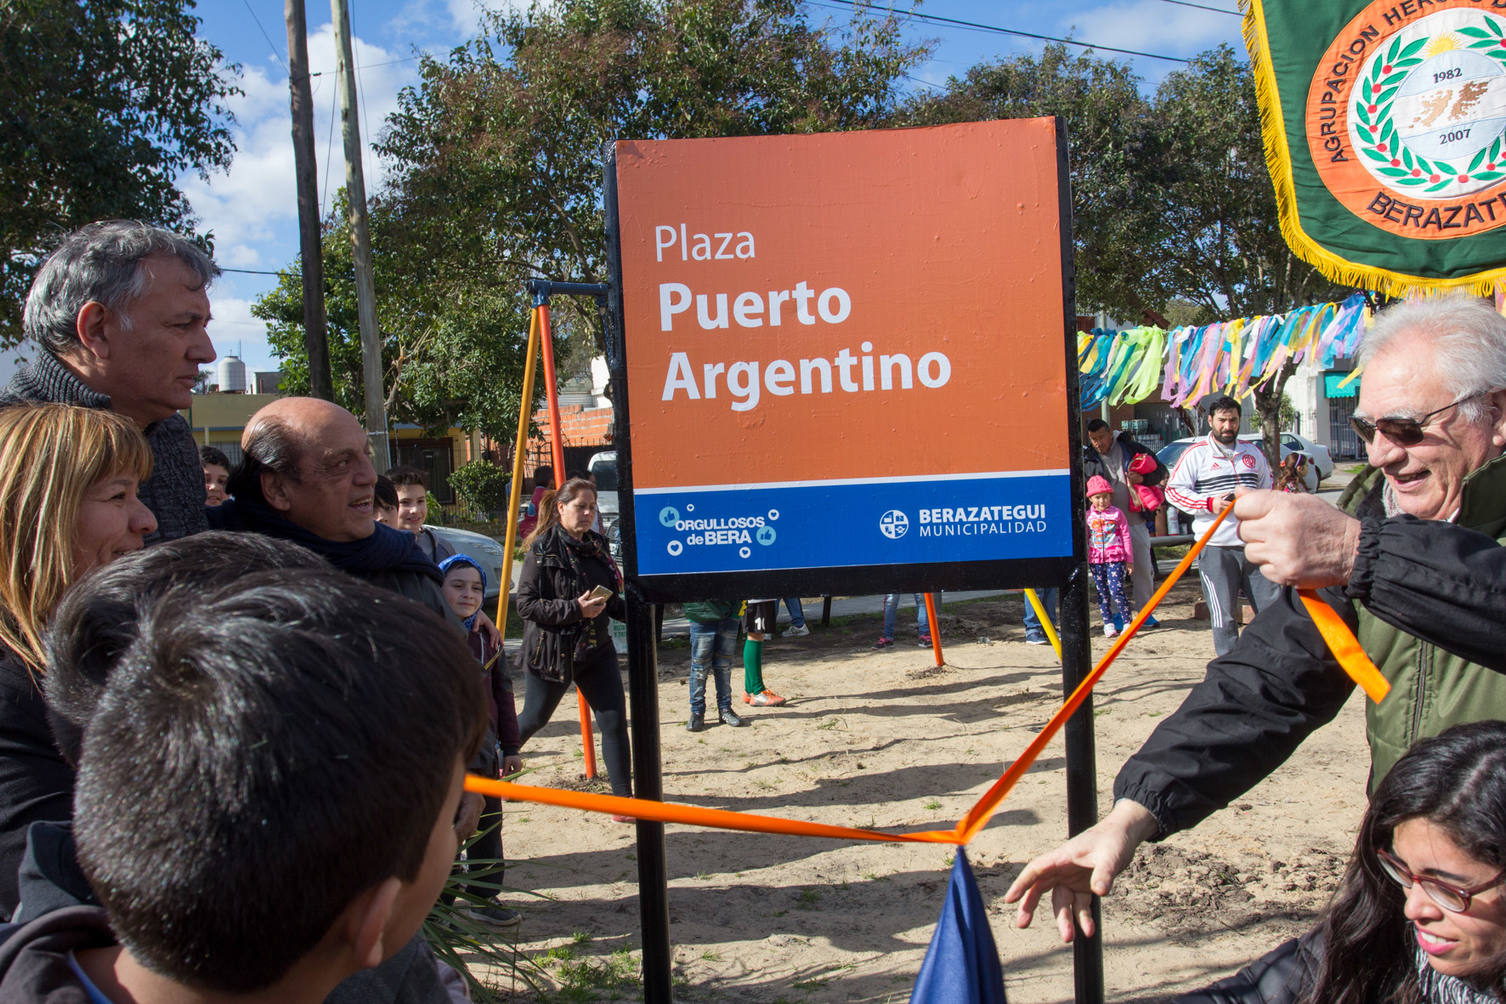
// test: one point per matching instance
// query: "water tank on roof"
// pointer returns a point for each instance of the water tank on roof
(232, 375)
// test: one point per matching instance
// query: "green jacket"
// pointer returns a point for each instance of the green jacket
(1431, 689)
(711, 611)
(1428, 602)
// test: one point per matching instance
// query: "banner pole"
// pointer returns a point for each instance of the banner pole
(557, 436)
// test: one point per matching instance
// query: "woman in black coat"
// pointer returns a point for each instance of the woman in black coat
(68, 480)
(565, 635)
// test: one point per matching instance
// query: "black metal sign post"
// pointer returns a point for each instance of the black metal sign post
(664, 504)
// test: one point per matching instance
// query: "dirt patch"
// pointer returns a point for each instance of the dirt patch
(885, 739)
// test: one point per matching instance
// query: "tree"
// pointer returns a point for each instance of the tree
(455, 362)
(496, 163)
(107, 102)
(1220, 245)
(1111, 139)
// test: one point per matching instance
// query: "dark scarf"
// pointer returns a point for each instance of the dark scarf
(590, 545)
(386, 550)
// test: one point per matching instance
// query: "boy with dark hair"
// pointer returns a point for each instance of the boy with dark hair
(262, 808)
(216, 475)
(412, 487)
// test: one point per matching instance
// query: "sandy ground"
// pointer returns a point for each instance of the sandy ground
(887, 740)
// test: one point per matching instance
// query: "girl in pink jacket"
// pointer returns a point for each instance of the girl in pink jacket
(1110, 555)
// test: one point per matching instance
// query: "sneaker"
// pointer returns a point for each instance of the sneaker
(729, 717)
(1032, 638)
(494, 913)
(1110, 631)
(765, 699)
(924, 641)
(884, 642)
(795, 631)
(697, 721)
(1150, 622)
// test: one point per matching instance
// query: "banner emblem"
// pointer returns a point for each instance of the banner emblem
(1385, 130)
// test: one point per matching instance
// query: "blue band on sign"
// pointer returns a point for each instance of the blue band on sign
(834, 524)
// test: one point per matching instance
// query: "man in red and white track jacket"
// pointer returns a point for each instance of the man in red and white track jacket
(1206, 476)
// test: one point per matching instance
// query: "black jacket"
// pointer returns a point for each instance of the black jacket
(547, 589)
(1093, 464)
(1439, 582)
(36, 783)
(175, 491)
(1281, 976)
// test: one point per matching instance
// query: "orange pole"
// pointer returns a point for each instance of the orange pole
(558, 444)
(935, 628)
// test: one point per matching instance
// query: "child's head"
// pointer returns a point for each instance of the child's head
(96, 623)
(384, 501)
(270, 777)
(464, 586)
(1100, 493)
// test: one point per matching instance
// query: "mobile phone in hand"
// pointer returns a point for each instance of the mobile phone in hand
(601, 593)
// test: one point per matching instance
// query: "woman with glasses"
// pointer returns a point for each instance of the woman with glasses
(1420, 916)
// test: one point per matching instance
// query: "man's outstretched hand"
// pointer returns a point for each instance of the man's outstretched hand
(1081, 868)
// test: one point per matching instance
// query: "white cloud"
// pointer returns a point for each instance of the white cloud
(1149, 26)
(252, 209)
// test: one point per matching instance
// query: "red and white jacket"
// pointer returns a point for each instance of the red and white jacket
(1205, 474)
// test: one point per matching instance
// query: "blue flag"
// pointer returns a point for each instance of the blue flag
(962, 964)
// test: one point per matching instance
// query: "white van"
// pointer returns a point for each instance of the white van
(603, 468)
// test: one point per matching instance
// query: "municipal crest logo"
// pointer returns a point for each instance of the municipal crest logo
(894, 524)
(1406, 119)
(1248, 461)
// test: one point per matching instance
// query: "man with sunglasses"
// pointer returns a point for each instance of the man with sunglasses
(1415, 566)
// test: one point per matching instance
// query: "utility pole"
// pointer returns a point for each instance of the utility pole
(315, 336)
(360, 238)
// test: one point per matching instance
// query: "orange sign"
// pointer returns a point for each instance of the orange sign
(845, 309)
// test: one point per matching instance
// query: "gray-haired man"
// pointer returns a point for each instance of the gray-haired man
(119, 311)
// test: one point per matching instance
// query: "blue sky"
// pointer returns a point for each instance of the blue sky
(251, 208)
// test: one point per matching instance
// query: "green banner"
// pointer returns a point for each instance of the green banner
(1384, 126)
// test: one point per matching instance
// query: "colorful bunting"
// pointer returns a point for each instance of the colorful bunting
(1232, 357)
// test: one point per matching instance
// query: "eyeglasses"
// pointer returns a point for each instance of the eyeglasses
(1404, 431)
(1451, 898)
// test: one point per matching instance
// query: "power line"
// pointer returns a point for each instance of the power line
(249, 271)
(1199, 6)
(275, 54)
(977, 26)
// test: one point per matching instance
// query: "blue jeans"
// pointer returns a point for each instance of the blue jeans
(1048, 599)
(891, 607)
(713, 646)
(797, 612)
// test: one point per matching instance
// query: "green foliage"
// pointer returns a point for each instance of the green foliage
(496, 155)
(480, 486)
(107, 103)
(1220, 243)
(452, 356)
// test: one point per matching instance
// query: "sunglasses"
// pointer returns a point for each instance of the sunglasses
(1404, 431)
(1451, 898)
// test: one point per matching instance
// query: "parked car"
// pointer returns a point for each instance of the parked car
(603, 467)
(1317, 451)
(1179, 522)
(487, 552)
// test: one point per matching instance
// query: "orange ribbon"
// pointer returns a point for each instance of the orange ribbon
(1345, 646)
(1335, 633)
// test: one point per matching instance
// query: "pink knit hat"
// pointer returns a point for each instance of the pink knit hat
(1099, 485)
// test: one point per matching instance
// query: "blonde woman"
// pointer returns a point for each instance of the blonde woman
(68, 482)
